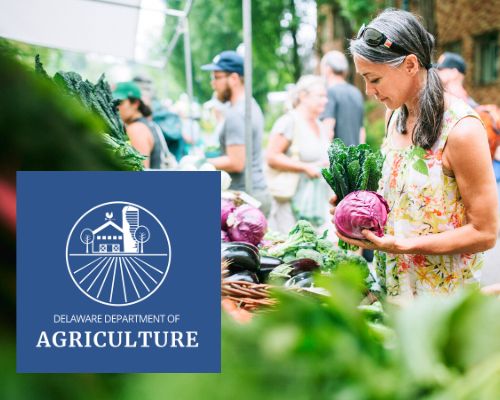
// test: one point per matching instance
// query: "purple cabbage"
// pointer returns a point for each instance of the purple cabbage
(226, 207)
(360, 210)
(224, 236)
(246, 224)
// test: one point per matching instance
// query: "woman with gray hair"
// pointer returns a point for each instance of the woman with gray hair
(298, 143)
(437, 175)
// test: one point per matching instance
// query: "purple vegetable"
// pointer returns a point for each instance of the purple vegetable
(246, 224)
(361, 210)
(223, 236)
(226, 207)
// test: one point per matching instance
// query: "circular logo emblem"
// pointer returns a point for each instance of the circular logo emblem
(118, 253)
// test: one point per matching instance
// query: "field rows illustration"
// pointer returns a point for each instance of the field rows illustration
(116, 279)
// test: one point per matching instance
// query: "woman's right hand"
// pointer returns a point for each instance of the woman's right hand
(311, 171)
(333, 204)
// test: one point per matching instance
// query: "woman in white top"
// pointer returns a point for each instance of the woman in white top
(299, 143)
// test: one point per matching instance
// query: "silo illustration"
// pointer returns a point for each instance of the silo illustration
(130, 221)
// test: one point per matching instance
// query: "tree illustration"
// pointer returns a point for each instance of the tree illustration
(141, 235)
(87, 237)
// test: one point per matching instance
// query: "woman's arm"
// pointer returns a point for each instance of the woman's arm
(276, 157)
(141, 139)
(467, 155)
(232, 161)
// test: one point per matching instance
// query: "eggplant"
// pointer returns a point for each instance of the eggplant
(241, 256)
(246, 244)
(302, 280)
(250, 248)
(303, 265)
(245, 276)
(267, 264)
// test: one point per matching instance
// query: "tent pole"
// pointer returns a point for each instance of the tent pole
(189, 73)
(247, 41)
(178, 30)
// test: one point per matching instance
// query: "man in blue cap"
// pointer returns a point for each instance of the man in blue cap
(228, 85)
(451, 68)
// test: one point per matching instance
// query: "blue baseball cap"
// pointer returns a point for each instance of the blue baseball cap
(227, 61)
(452, 60)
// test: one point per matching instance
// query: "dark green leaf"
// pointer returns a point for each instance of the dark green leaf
(353, 170)
(328, 177)
(340, 176)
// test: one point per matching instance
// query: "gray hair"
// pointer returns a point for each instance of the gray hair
(304, 86)
(406, 30)
(337, 61)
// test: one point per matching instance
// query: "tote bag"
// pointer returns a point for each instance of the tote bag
(283, 185)
(309, 203)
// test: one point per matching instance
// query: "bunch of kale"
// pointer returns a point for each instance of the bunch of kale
(352, 168)
(98, 99)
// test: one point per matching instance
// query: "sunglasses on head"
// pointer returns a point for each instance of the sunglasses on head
(375, 38)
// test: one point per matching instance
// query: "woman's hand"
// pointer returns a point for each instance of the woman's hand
(333, 203)
(385, 243)
(311, 171)
(333, 207)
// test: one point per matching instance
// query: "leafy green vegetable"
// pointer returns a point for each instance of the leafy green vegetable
(43, 129)
(302, 242)
(352, 168)
(39, 68)
(373, 312)
(98, 99)
(324, 245)
(341, 258)
(330, 348)
(302, 233)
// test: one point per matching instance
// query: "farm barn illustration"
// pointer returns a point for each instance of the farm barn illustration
(112, 238)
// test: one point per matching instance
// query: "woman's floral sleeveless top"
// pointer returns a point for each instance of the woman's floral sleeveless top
(423, 199)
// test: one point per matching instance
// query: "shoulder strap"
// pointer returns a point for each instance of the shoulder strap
(457, 111)
(159, 136)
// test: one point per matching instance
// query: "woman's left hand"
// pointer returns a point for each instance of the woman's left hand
(385, 243)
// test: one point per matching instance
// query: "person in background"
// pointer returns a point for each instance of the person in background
(213, 122)
(228, 84)
(451, 69)
(189, 114)
(302, 127)
(218, 109)
(343, 115)
(140, 130)
(145, 85)
(443, 202)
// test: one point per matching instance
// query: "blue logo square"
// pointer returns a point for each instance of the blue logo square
(118, 272)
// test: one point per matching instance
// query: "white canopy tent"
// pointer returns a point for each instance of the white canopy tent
(120, 28)
(113, 27)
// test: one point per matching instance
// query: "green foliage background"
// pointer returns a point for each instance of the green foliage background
(217, 25)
